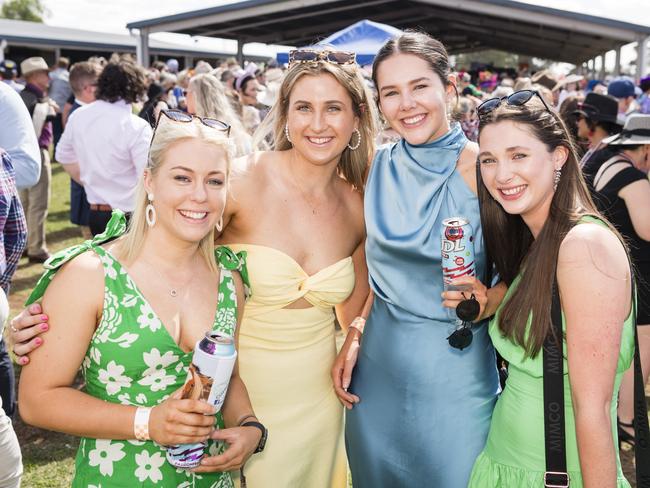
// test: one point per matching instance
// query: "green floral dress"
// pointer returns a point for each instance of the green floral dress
(132, 360)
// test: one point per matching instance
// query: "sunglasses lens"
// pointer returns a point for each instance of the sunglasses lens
(177, 115)
(304, 55)
(487, 106)
(461, 338)
(340, 57)
(468, 310)
(520, 98)
(216, 124)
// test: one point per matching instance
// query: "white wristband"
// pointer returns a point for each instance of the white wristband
(358, 323)
(141, 423)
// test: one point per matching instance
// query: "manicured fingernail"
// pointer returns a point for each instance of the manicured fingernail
(346, 385)
(38, 341)
(44, 327)
(44, 318)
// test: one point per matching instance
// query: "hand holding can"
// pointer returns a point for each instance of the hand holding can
(208, 378)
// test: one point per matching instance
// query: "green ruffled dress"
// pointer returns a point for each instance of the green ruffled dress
(132, 360)
(514, 454)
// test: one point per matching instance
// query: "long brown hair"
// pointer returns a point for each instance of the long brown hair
(510, 243)
(353, 164)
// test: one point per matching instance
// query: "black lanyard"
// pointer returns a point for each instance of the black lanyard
(556, 475)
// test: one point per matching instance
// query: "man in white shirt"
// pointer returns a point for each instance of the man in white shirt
(104, 145)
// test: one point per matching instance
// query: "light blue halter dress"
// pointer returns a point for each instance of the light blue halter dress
(425, 407)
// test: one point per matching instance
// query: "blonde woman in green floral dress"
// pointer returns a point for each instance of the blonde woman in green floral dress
(133, 309)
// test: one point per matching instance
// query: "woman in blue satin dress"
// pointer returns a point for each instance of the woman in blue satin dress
(422, 409)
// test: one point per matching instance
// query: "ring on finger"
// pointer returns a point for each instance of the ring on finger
(13, 329)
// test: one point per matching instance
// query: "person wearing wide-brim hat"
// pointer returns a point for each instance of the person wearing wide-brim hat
(623, 195)
(597, 120)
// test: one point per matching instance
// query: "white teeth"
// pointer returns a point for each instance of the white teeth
(320, 140)
(513, 191)
(193, 215)
(414, 120)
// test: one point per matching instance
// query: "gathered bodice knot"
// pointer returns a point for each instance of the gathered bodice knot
(277, 281)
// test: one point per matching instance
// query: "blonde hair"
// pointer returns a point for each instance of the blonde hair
(166, 135)
(211, 101)
(353, 164)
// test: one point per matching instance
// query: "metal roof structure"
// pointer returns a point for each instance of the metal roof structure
(462, 25)
(34, 35)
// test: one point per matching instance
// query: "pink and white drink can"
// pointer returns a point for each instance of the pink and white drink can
(457, 253)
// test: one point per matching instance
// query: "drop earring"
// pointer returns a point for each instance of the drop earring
(286, 132)
(557, 174)
(150, 211)
(219, 225)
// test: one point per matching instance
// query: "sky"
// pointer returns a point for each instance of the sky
(113, 15)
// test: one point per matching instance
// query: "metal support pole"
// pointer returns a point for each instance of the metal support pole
(617, 66)
(57, 54)
(3, 46)
(189, 62)
(602, 66)
(240, 52)
(142, 47)
(642, 60)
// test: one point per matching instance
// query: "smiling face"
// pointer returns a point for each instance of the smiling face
(413, 98)
(518, 170)
(320, 118)
(189, 189)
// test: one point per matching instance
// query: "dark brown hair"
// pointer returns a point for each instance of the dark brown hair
(121, 79)
(421, 45)
(510, 243)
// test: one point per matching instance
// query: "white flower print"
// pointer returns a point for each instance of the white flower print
(227, 319)
(111, 316)
(156, 362)
(185, 484)
(105, 454)
(113, 378)
(158, 381)
(86, 363)
(149, 466)
(141, 399)
(124, 398)
(147, 318)
(108, 263)
(230, 284)
(129, 300)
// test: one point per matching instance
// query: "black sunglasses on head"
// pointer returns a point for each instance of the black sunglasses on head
(516, 99)
(180, 116)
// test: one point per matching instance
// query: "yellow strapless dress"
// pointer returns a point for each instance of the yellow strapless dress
(285, 356)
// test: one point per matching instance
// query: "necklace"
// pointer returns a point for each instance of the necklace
(313, 206)
(173, 290)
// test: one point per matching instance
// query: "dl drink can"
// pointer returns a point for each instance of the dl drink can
(457, 252)
(208, 378)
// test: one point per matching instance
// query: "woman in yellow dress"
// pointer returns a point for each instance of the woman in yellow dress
(297, 211)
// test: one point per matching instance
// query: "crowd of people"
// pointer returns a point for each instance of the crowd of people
(272, 202)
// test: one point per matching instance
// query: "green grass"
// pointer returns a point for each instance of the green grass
(48, 457)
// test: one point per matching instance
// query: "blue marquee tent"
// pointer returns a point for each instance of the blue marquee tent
(364, 38)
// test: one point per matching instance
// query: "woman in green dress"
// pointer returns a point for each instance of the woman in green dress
(133, 310)
(539, 221)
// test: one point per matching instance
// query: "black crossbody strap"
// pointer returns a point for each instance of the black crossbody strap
(641, 429)
(554, 431)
